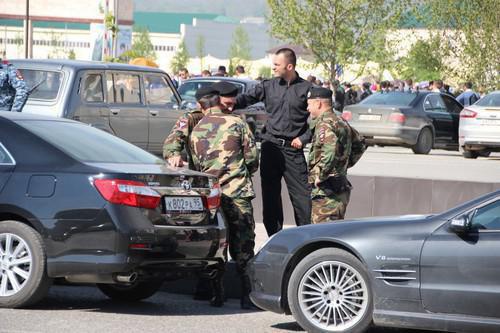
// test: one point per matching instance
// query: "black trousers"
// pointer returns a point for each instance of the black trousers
(277, 162)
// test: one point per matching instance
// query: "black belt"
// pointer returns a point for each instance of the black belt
(277, 141)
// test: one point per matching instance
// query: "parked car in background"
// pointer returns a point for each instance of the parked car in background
(438, 272)
(255, 115)
(81, 204)
(418, 120)
(136, 103)
(479, 130)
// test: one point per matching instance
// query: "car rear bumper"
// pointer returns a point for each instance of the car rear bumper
(478, 143)
(390, 135)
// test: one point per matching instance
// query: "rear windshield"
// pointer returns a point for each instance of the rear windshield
(44, 84)
(88, 144)
(490, 100)
(391, 98)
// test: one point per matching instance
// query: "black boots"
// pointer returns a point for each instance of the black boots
(246, 288)
(217, 284)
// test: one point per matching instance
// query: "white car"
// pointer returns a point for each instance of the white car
(479, 129)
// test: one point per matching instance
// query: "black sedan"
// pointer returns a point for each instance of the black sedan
(80, 204)
(255, 115)
(437, 272)
(418, 120)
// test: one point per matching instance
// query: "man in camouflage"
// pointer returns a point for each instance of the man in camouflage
(13, 89)
(335, 147)
(178, 139)
(223, 145)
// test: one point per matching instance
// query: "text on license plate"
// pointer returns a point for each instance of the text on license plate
(490, 121)
(179, 204)
(370, 116)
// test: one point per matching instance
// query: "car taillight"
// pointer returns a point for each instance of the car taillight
(397, 117)
(128, 192)
(347, 115)
(212, 201)
(466, 113)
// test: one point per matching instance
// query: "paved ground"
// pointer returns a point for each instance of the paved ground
(85, 309)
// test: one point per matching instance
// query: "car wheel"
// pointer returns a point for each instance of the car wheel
(136, 291)
(329, 291)
(424, 142)
(470, 154)
(23, 265)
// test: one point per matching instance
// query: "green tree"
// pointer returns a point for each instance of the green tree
(265, 72)
(71, 54)
(336, 32)
(469, 36)
(423, 62)
(200, 49)
(239, 50)
(141, 46)
(180, 58)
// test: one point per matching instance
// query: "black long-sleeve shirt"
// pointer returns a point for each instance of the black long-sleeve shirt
(285, 104)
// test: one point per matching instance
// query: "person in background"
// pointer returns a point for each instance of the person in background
(205, 73)
(13, 90)
(365, 91)
(221, 71)
(240, 72)
(469, 96)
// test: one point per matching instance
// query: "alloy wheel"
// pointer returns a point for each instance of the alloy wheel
(333, 296)
(15, 264)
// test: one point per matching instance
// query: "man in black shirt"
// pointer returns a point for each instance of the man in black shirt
(283, 138)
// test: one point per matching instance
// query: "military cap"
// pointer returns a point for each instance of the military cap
(205, 91)
(319, 92)
(226, 89)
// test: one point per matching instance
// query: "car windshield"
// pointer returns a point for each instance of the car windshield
(490, 100)
(391, 98)
(188, 89)
(88, 144)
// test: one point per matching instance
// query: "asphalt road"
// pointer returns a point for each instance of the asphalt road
(85, 309)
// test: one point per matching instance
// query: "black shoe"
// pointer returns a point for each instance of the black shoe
(217, 287)
(245, 302)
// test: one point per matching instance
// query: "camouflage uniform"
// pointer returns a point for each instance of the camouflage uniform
(335, 147)
(178, 138)
(223, 145)
(13, 89)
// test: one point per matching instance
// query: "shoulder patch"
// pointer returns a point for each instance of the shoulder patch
(182, 123)
(321, 134)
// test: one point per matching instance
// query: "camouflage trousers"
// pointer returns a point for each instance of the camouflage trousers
(329, 208)
(241, 226)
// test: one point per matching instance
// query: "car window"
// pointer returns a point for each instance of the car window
(391, 98)
(45, 84)
(487, 217)
(158, 92)
(88, 144)
(123, 88)
(490, 100)
(434, 102)
(5, 157)
(91, 88)
(451, 104)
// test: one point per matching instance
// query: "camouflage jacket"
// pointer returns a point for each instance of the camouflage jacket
(13, 89)
(332, 149)
(223, 145)
(178, 138)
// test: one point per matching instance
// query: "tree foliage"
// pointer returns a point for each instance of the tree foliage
(337, 32)
(239, 50)
(200, 49)
(468, 33)
(423, 62)
(141, 46)
(180, 58)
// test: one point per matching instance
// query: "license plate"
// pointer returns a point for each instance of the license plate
(490, 121)
(183, 204)
(370, 117)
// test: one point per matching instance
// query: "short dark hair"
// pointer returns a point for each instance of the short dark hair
(209, 101)
(240, 69)
(222, 68)
(468, 85)
(438, 83)
(289, 54)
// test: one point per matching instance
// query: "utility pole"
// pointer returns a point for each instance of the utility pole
(27, 28)
(115, 36)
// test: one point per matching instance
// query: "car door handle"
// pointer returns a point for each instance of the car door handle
(115, 111)
(153, 112)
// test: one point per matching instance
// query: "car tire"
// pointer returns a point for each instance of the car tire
(343, 290)
(23, 265)
(425, 141)
(470, 154)
(139, 290)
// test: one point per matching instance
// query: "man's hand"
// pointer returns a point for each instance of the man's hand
(296, 143)
(175, 161)
(317, 182)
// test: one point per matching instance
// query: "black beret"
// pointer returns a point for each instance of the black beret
(226, 89)
(205, 91)
(318, 92)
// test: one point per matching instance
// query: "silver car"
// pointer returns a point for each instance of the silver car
(479, 129)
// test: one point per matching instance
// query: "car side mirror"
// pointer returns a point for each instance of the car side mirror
(461, 224)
